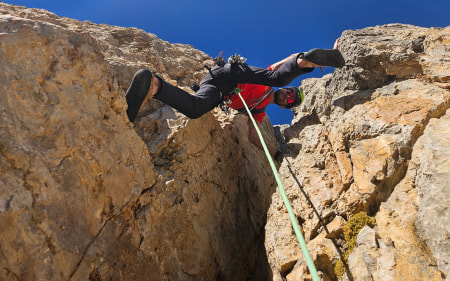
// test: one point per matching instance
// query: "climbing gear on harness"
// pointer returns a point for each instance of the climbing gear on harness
(219, 60)
(293, 218)
(138, 92)
(233, 60)
(225, 103)
(324, 57)
(236, 59)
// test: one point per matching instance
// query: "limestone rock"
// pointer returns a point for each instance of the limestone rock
(353, 146)
(401, 253)
(432, 183)
(86, 195)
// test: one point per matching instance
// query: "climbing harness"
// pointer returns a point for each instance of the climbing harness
(293, 218)
(225, 103)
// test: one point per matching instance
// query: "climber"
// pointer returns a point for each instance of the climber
(217, 87)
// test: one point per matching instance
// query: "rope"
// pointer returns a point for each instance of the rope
(293, 218)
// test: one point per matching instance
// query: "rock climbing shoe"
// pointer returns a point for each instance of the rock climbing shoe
(138, 92)
(325, 57)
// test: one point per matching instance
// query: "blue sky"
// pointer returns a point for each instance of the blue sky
(263, 31)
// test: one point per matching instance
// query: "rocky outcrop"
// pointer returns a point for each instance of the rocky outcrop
(373, 137)
(86, 195)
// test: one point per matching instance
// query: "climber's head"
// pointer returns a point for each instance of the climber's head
(289, 97)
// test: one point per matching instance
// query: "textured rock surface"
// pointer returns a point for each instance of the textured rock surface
(433, 186)
(353, 146)
(86, 195)
(83, 197)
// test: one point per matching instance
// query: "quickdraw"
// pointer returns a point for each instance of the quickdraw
(236, 59)
(225, 104)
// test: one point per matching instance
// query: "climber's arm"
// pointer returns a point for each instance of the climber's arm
(277, 65)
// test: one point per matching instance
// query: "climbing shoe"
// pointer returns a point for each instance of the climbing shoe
(325, 57)
(138, 92)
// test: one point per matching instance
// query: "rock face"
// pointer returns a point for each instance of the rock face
(86, 195)
(373, 137)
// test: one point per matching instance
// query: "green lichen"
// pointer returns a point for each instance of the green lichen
(351, 230)
(339, 268)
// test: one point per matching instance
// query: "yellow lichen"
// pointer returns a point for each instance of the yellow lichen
(351, 230)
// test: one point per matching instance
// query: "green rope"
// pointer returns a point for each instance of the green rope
(301, 240)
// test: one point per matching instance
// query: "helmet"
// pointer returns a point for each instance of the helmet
(298, 96)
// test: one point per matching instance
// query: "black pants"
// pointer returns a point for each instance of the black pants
(208, 96)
